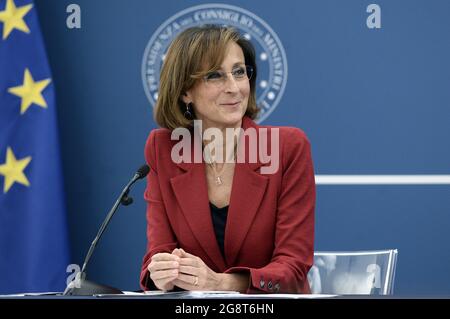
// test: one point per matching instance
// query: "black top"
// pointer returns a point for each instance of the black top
(219, 219)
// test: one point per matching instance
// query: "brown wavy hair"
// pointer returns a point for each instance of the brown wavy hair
(192, 54)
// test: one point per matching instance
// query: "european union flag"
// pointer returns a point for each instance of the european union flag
(33, 232)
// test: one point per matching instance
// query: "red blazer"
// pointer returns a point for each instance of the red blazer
(270, 226)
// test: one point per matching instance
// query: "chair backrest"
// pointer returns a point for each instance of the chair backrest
(353, 273)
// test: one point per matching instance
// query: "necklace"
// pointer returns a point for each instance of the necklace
(218, 175)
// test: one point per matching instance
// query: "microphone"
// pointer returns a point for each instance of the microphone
(82, 287)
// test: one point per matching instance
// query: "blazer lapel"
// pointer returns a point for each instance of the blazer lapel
(247, 193)
(191, 192)
(246, 196)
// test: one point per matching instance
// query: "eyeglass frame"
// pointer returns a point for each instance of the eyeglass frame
(224, 76)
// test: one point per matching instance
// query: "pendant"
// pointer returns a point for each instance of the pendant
(218, 180)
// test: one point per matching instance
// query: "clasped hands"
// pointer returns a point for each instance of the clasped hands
(183, 270)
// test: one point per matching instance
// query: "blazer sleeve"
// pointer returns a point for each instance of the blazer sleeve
(294, 234)
(160, 237)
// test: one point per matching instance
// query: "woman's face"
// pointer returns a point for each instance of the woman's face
(222, 104)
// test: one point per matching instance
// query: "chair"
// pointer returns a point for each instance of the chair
(353, 273)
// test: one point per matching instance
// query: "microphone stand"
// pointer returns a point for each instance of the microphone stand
(82, 287)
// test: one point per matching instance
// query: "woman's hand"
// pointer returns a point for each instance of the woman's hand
(194, 274)
(164, 269)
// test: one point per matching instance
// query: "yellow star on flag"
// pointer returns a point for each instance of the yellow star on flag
(12, 18)
(13, 170)
(30, 92)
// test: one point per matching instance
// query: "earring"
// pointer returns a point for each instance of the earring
(187, 113)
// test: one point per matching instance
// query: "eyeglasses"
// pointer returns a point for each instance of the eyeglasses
(219, 78)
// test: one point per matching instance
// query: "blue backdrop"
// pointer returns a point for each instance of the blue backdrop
(372, 101)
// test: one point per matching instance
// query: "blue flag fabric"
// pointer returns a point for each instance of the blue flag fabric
(33, 232)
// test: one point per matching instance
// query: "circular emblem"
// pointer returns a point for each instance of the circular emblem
(270, 54)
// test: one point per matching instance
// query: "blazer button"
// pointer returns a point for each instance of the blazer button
(277, 287)
(269, 285)
(261, 283)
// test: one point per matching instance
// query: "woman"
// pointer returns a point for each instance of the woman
(219, 224)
